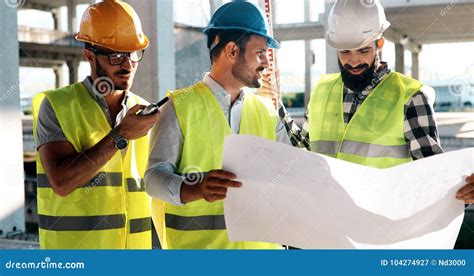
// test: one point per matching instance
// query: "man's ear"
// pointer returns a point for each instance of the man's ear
(88, 56)
(380, 43)
(232, 50)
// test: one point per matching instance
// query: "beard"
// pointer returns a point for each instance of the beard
(243, 73)
(359, 82)
(101, 73)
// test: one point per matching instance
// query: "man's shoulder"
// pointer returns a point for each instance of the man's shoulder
(187, 92)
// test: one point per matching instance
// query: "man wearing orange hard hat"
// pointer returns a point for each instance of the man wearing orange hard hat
(92, 146)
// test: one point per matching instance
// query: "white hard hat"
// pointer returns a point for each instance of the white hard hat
(354, 24)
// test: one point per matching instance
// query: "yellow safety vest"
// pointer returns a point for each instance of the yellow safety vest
(375, 135)
(112, 210)
(200, 224)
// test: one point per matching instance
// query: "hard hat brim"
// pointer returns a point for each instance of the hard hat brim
(339, 45)
(145, 43)
(271, 42)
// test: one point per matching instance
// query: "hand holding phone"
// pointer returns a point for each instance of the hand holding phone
(152, 108)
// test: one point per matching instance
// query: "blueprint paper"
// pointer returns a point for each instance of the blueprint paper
(295, 197)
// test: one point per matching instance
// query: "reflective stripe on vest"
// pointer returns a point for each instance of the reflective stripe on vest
(90, 223)
(211, 222)
(375, 134)
(81, 223)
(101, 179)
(200, 224)
(140, 225)
(113, 211)
(361, 149)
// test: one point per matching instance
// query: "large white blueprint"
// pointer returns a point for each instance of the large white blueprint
(307, 200)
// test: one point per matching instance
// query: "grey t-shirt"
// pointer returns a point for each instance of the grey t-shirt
(48, 128)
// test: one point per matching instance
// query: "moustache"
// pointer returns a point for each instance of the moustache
(358, 67)
(123, 72)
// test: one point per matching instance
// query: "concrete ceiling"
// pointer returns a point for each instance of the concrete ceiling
(424, 22)
(47, 5)
(434, 23)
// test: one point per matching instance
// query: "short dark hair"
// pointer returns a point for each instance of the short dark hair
(88, 45)
(239, 37)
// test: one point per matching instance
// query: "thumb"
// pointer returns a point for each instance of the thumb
(135, 108)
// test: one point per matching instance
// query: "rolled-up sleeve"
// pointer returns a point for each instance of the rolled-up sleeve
(47, 126)
(166, 145)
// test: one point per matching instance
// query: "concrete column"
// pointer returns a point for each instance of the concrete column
(73, 66)
(415, 67)
(56, 19)
(308, 58)
(12, 189)
(214, 4)
(331, 53)
(58, 74)
(71, 16)
(156, 72)
(399, 58)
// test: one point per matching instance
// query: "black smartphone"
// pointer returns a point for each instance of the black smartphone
(152, 108)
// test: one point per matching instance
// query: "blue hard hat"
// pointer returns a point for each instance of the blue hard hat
(241, 15)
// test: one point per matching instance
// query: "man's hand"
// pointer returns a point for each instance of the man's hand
(213, 187)
(134, 126)
(266, 90)
(466, 193)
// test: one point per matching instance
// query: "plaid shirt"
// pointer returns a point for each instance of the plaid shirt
(420, 130)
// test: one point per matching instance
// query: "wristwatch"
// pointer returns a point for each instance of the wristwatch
(119, 141)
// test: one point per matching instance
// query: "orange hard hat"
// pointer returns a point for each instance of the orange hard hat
(114, 25)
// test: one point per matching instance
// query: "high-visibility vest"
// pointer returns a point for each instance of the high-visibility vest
(112, 210)
(200, 224)
(375, 135)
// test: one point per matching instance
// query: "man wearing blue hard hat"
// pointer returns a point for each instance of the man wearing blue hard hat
(184, 175)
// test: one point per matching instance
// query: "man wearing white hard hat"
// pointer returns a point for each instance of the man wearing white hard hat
(368, 114)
